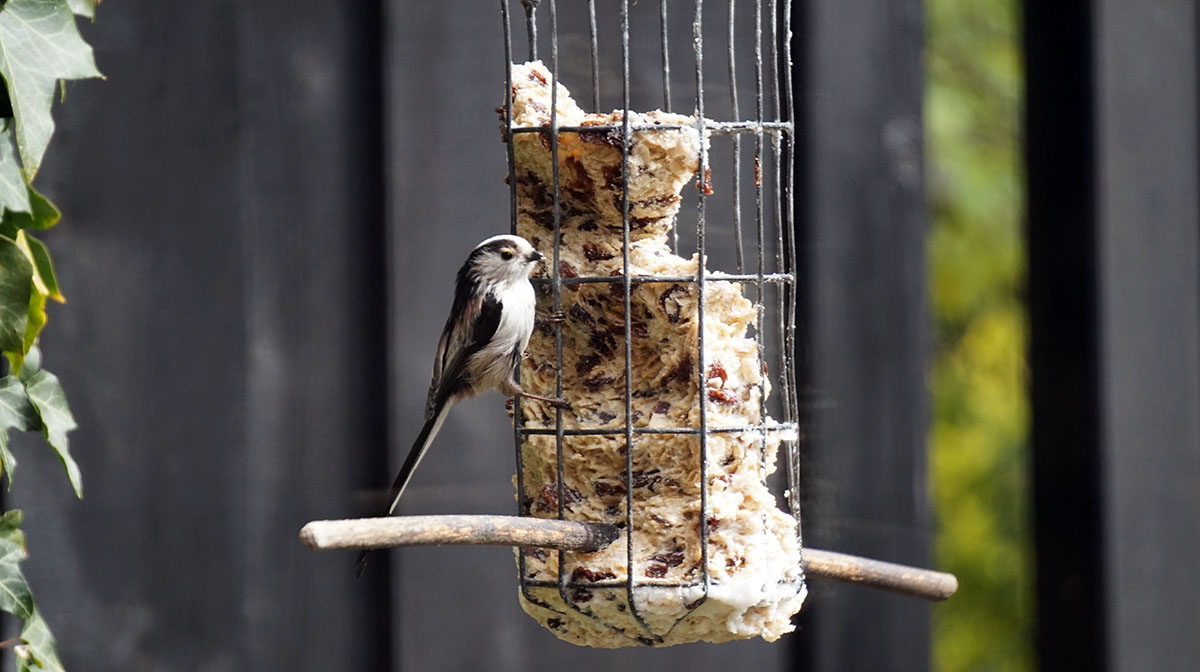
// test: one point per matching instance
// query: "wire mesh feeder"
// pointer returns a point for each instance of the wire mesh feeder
(643, 512)
(671, 433)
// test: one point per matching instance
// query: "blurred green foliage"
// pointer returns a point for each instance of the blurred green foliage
(979, 440)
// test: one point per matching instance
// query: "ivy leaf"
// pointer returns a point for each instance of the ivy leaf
(83, 7)
(46, 395)
(39, 45)
(38, 652)
(41, 214)
(35, 320)
(33, 364)
(16, 282)
(22, 206)
(14, 194)
(45, 286)
(44, 280)
(15, 413)
(43, 269)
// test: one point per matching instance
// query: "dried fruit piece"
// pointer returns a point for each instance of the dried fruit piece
(682, 372)
(581, 314)
(721, 397)
(670, 305)
(593, 253)
(581, 595)
(606, 489)
(716, 370)
(672, 559)
(588, 575)
(598, 382)
(586, 363)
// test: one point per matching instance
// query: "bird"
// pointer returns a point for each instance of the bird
(484, 339)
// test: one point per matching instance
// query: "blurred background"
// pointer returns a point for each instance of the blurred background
(997, 216)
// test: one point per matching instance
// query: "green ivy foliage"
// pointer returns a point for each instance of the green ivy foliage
(40, 49)
(978, 445)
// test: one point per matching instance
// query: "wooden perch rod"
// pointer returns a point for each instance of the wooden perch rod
(569, 535)
(923, 583)
(478, 530)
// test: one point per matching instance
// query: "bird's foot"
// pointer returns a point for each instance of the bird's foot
(558, 402)
(554, 402)
(553, 317)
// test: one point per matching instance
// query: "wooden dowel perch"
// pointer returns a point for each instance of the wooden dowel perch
(476, 530)
(359, 533)
(924, 583)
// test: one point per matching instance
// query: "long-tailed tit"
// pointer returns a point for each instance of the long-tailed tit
(482, 342)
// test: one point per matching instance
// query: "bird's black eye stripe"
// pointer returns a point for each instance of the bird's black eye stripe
(506, 255)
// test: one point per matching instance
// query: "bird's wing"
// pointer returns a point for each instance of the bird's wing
(473, 329)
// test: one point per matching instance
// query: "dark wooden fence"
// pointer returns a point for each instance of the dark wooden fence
(265, 202)
(1114, 251)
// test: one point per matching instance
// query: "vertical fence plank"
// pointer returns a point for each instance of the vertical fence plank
(309, 187)
(862, 217)
(1063, 342)
(1114, 233)
(221, 346)
(1148, 275)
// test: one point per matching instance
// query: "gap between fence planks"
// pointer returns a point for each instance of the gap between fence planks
(360, 533)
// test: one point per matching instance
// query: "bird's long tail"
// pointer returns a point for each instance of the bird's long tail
(424, 440)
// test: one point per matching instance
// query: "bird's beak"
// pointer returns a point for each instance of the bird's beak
(536, 256)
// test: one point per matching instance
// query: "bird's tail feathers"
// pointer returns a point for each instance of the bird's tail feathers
(432, 426)
(422, 443)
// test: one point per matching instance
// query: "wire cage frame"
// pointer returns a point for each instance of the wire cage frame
(770, 271)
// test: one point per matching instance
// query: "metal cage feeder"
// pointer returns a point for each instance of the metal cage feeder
(771, 267)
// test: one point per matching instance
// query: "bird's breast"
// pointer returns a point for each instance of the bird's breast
(517, 316)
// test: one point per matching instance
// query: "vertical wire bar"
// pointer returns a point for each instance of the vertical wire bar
(531, 26)
(518, 420)
(556, 285)
(666, 76)
(782, 260)
(777, 200)
(775, 139)
(666, 55)
(698, 41)
(626, 288)
(508, 137)
(789, 220)
(788, 205)
(737, 147)
(759, 217)
(595, 57)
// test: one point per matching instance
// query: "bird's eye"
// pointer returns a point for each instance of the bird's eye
(506, 255)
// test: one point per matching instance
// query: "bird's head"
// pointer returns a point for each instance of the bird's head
(504, 259)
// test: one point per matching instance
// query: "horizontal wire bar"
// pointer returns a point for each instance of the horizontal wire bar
(912, 581)
(613, 431)
(531, 583)
(712, 127)
(788, 278)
